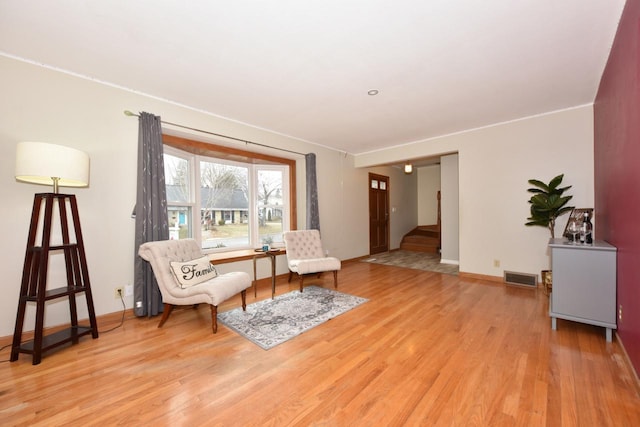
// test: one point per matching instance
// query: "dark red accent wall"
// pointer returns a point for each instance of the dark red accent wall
(617, 170)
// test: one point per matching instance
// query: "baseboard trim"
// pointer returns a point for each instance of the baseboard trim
(105, 323)
(464, 275)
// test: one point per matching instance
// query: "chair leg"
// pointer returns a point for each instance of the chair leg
(214, 318)
(335, 279)
(244, 300)
(165, 314)
(301, 281)
(290, 275)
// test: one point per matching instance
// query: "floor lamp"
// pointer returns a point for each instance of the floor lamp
(59, 166)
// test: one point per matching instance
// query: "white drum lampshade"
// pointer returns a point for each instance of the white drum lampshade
(50, 164)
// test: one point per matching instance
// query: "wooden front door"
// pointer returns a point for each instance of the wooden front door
(378, 213)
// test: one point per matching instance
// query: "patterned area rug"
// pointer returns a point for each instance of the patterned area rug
(269, 322)
(416, 260)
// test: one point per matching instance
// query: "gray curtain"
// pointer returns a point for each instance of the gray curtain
(313, 214)
(150, 212)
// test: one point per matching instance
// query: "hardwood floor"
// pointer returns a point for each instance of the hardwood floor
(426, 349)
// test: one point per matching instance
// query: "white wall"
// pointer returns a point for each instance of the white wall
(40, 104)
(450, 215)
(428, 187)
(494, 166)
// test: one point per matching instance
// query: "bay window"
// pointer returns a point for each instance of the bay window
(227, 199)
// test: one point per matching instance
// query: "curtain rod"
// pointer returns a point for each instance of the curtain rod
(129, 113)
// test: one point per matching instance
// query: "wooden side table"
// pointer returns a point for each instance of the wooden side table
(271, 254)
(251, 254)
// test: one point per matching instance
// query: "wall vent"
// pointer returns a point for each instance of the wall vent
(521, 279)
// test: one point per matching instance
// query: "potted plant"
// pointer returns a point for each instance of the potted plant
(548, 203)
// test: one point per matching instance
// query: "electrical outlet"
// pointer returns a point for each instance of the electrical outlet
(118, 292)
(128, 290)
(620, 313)
(496, 263)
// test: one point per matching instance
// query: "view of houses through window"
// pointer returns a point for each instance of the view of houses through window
(225, 204)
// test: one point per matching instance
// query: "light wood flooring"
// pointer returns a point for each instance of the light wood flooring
(426, 349)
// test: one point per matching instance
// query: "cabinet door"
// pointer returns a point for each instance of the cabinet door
(584, 283)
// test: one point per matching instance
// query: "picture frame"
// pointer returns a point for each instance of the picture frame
(577, 215)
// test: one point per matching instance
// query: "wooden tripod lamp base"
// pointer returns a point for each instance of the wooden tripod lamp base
(34, 278)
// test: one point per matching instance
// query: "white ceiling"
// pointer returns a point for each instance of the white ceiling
(303, 68)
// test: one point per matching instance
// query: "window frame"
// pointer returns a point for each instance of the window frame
(212, 150)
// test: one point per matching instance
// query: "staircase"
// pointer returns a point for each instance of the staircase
(423, 238)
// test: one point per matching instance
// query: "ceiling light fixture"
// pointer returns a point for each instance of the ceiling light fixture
(372, 92)
(408, 168)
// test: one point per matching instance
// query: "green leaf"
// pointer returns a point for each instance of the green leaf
(539, 184)
(536, 190)
(553, 184)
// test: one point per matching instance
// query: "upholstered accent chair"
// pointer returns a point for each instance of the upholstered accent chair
(305, 256)
(176, 262)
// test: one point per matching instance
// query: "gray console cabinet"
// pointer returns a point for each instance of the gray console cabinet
(584, 284)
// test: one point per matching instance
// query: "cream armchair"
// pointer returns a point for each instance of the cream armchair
(185, 277)
(305, 255)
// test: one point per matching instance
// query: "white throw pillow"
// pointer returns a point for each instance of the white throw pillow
(190, 273)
